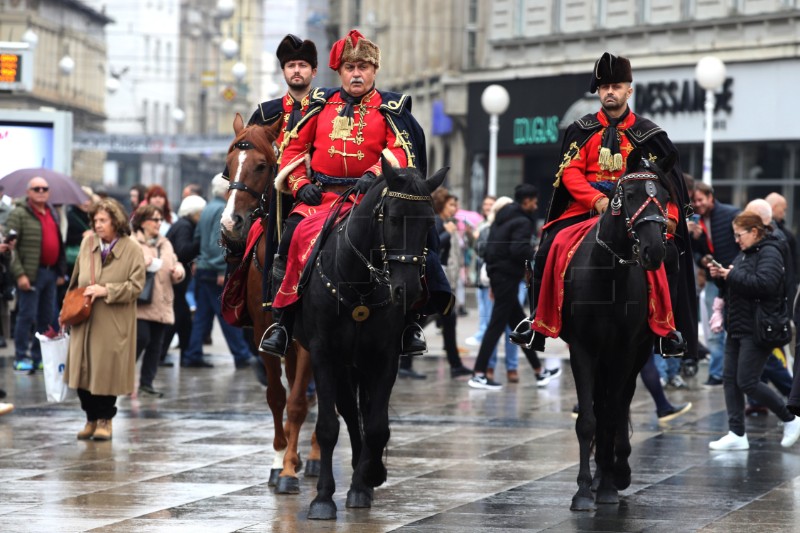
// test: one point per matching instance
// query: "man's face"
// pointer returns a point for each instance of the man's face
(38, 191)
(614, 96)
(529, 205)
(779, 210)
(298, 74)
(703, 203)
(357, 78)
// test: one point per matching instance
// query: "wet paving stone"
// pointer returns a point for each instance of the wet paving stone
(459, 460)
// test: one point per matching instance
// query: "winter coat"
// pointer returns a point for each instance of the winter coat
(758, 274)
(509, 243)
(29, 241)
(449, 252)
(181, 236)
(160, 307)
(102, 349)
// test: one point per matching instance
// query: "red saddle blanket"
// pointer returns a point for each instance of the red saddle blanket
(234, 295)
(303, 240)
(551, 299)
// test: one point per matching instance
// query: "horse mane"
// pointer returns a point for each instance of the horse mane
(261, 137)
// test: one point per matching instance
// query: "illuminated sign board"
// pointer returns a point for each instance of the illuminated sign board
(16, 67)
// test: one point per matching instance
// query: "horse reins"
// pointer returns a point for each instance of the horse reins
(633, 221)
(360, 310)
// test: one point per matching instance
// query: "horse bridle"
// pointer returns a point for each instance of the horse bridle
(262, 197)
(378, 278)
(633, 221)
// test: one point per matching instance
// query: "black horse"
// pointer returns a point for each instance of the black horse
(605, 321)
(367, 275)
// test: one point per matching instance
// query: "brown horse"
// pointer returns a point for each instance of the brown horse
(251, 164)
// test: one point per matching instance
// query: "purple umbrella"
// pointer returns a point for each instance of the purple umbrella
(63, 189)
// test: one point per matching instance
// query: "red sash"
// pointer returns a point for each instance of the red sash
(234, 295)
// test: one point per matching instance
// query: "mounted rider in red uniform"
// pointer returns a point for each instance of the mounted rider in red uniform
(595, 151)
(335, 146)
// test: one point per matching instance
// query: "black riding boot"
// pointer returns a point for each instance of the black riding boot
(413, 340)
(277, 337)
(523, 335)
(672, 345)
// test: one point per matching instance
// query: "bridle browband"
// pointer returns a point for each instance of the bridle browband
(633, 221)
(378, 277)
(262, 197)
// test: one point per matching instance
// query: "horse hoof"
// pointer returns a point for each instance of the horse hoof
(274, 474)
(312, 468)
(359, 499)
(287, 485)
(582, 503)
(607, 497)
(322, 511)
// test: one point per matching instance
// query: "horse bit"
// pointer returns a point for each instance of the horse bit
(262, 197)
(631, 222)
(361, 311)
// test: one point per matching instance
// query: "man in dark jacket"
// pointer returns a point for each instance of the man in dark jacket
(39, 267)
(712, 235)
(507, 249)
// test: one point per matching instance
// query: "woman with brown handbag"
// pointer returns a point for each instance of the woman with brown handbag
(102, 352)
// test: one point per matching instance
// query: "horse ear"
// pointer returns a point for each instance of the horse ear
(387, 168)
(238, 124)
(668, 162)
(435, 181)
(635, 159)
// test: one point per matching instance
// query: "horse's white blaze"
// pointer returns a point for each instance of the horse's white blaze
(227, 214)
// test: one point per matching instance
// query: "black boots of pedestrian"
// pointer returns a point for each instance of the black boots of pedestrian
(277, 337)
(413, 340)
(673, 345)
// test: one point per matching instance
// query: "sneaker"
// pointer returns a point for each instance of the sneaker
(472, 341)
(459, 371)
(148, 390)
(674, 412)
(676, 382)
(791, 432)
(410, 373)
(23, 366)
(482, 382)
(543, 378)
(731, 441)
(713, 382)
(512, 376)
(6, 408)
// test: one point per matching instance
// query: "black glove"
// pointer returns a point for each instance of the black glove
(310, 194)
(365, 182)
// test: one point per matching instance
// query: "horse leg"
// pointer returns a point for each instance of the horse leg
(583, 370)
(622, 446)
(359, 494)
(297, 409)
(303, 372)
(276, 399)
(376, 429)
(323, 506)
(607, 414)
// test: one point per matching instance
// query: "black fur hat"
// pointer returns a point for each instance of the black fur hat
(292, 48)
(610, 69)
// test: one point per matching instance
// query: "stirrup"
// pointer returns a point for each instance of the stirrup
(271, 346)
(418, 344)
(522, 334)
(673, 345)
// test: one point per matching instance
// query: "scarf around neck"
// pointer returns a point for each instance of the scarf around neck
(343, 124)
(610, 156)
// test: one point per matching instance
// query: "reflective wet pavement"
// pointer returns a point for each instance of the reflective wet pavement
(459, 460)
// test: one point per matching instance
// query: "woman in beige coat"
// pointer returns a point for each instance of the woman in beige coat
(102, 357)
(155, 317)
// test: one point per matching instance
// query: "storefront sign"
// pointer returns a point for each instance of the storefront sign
(662, 97)
(535, 130)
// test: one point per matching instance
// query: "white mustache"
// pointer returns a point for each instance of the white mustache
(357, 80)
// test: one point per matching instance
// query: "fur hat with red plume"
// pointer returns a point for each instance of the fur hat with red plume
(352, 48)
(292, 48)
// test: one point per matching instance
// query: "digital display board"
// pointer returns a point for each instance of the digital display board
(10, 68)
(16, 67)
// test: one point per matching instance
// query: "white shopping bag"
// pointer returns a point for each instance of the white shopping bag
(54, 358)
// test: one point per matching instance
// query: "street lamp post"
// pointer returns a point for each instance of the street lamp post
(494, 100)
(710, 74)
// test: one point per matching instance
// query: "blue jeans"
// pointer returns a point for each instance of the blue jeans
(208, 295)
(512, 352)
(35, 306)
(667, 368)
(716, 341)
